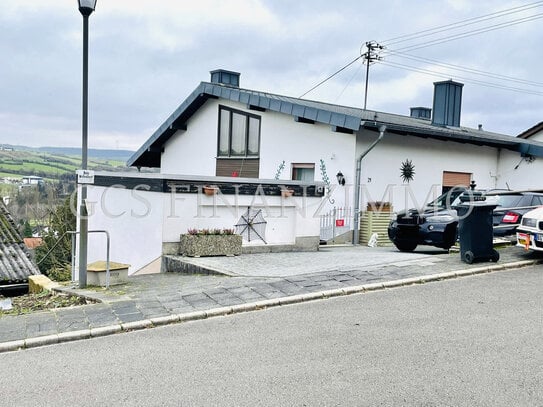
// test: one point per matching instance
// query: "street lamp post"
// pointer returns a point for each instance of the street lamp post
(86, 7)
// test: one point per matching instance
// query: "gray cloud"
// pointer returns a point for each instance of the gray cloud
(145, 60)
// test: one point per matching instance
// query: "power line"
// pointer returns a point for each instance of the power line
(464, 69)
(471, 33)
(437, 41)
(348, 83)
(467, 80)
(462, 23)
(331, 76)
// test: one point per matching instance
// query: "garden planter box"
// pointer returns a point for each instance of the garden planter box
(210, 245)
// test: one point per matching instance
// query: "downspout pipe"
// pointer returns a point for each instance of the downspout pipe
(356, 238)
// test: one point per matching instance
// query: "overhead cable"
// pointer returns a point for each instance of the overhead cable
(474, 71)
(471, 33)
(467, 80)
(331, 76)
(462, 23)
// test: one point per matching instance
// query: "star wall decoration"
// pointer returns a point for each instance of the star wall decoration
(407, 171)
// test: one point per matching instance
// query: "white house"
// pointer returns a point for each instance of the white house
(523, 172)
(533, 133)
(222, 130)
(32, 180)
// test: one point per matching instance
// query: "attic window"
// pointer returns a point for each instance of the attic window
(239, 133)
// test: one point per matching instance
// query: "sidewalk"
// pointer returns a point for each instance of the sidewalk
(248, 282)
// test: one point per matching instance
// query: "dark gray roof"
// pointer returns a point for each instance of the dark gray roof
(531, 131)
(337, 116)
(15, 263)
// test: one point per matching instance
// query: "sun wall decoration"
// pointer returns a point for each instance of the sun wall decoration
(407, 170)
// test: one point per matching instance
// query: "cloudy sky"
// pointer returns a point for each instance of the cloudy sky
(147, 56)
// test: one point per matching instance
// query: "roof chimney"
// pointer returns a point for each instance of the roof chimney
(447, 103)
(421, 113)
(225, 77)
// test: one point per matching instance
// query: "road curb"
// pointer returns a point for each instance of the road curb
(252, 306)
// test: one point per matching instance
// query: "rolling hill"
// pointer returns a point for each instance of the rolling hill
(55, 162)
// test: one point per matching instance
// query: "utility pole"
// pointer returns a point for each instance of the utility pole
(371, 55)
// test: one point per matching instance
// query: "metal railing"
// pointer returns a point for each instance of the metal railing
(335, 223)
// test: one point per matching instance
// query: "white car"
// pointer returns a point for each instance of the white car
(530, 230)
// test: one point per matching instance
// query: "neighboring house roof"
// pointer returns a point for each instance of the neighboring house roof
(15, 263)
(531, 131)
(339, 117)
(33, 242)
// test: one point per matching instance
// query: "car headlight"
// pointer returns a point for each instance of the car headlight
(440, 219)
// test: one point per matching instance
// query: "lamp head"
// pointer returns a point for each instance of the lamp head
(340, 178)
(86, 7)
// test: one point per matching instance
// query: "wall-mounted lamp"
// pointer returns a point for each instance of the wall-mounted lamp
(340, 178)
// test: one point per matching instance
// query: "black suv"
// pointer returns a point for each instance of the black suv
(437, 223)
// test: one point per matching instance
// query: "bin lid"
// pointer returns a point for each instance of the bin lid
(472, 196)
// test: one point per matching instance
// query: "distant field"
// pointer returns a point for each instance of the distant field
(9, 175)
(17, 164)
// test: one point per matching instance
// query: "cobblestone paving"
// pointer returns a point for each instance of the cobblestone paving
(286, 274)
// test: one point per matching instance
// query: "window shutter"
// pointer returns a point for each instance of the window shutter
(451, 179)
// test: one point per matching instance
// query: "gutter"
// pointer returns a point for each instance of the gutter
(356, 238)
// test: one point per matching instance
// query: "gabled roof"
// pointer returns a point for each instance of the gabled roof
(339, 117)
(15, 263)
(531, 131)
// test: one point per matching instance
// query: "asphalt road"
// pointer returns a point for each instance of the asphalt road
(475, 341)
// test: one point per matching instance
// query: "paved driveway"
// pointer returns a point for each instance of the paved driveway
(339, 258)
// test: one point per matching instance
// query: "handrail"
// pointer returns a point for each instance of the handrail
(54, 246)
(73, 233)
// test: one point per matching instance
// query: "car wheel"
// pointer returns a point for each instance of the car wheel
(405, 246)
(469, 257)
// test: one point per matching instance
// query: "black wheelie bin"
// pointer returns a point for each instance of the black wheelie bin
(475, 228)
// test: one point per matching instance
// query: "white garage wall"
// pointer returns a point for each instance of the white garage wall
(381, 167)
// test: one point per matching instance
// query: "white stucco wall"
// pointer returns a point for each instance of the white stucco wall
(285, 139)
(515, 172)
(140, 221)
(381, 167)
(287, 218)
(193, 152)
(518, 173)
(133, 219)
(282, 138)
